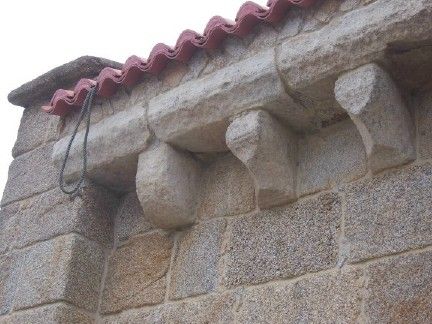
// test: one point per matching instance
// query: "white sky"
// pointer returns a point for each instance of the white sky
(37, 36)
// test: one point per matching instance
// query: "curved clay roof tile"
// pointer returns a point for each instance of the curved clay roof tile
(217, 29)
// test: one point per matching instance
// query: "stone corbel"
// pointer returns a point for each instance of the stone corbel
(166, 184)
(269, 152)
(375, 105)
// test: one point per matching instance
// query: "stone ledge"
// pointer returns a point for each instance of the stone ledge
(42, 88)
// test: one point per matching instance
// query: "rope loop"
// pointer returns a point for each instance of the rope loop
(85, 113)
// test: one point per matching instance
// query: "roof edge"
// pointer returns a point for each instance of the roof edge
(41, 88)
(133, 70)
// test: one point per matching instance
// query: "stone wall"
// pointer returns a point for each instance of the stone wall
(346, 238)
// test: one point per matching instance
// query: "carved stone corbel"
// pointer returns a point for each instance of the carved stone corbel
(375, 105)
(166, 184)
(269, 151)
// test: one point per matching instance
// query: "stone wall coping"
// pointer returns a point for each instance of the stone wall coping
(41, 88)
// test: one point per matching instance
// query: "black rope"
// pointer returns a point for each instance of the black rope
(85, 112)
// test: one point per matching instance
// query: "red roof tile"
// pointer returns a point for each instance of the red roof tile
(217, 29)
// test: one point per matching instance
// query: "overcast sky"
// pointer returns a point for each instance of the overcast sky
(37, 36)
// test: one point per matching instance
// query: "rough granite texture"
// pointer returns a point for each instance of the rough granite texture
(388, 214)
(7, 283)
(375, 105)
(326, 298)
(8, 227)
(310, 63)
(283, 243)
(166, 183)
(113, 166)
(29, 174)
(194, 269)
(137, 273)
(399, 290)
(214, 98)
(53, 213)
(68, 268)
(269, 151)
(227, 190)
(424, 128)
(209, 309)
(331, 157)
(50, 314)
(36, 128)
(130, 219)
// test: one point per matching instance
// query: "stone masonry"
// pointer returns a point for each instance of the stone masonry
(283, 178)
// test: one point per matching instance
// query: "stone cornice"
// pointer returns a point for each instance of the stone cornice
(260, 108)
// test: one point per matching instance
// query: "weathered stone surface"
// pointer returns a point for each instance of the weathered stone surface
(194, 270)
(42, 88)
(347, 5)
(166, 184)
(262, 37)
(399, 290)
(228, 189)
(53, 213)
(389, 214)
(36, 128)
(137, 273)
(330, 157)
(143, 92)
(50, 314)
(68, 268)
(321, 13)
(132, 100)
(269, 151)
(283, 243)
(310, 63)
(324, 298)
(230, 52)
(375, 105)
(7, 282)
(8, 227)
(382, 216)
(209, 309)
(101, 109)
(411, 64)
(195, 115)
(112, 152)
(424, 125)
(291, 24)
(130, 219)
(121, 100)
(172, 75)
(29, 174)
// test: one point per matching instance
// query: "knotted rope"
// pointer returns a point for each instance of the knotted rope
(85, 113)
